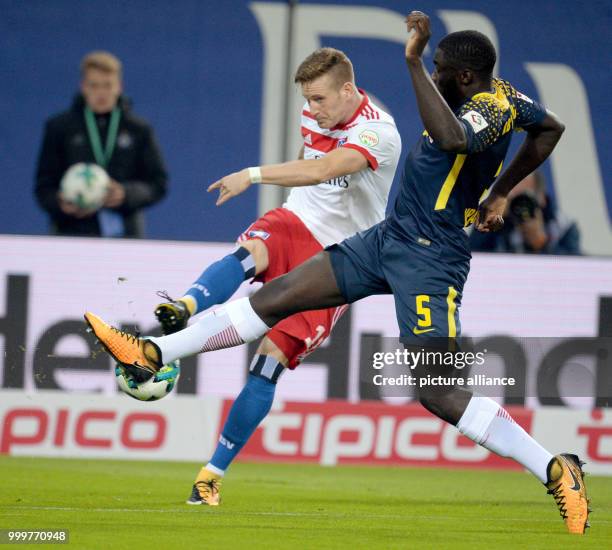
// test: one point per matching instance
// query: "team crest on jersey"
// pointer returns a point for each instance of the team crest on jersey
(341, 142)
(258, 233)
(369, 138)
(524, 97)
(475, 120)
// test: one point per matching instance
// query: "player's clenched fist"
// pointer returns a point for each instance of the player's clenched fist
(418, 22)
(231, 186)
(491, 213)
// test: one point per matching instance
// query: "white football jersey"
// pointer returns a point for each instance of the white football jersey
(338, 208)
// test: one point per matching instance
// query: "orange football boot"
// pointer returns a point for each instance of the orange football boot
(566, 485)
(126, 348)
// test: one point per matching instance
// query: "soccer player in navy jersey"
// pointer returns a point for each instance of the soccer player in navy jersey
(420, 253)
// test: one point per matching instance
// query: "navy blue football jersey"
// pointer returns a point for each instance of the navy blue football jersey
(440, 191)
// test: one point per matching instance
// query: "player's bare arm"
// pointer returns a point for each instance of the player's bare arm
(539, 143)
(296, 173)
(438, 118)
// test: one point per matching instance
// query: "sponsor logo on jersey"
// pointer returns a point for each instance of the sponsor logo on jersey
(341, 181)
(369, 138)
(475, 120)
(258, 233)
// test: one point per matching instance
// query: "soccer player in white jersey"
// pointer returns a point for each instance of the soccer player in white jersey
(340, 186)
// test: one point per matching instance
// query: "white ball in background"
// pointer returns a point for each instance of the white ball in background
(85, 185)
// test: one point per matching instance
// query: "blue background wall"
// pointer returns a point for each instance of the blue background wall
(194, 70)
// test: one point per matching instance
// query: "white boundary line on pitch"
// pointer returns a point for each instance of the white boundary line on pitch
(279, 514)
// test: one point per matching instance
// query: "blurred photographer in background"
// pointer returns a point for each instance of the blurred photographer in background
(533, 225)
(99, 129)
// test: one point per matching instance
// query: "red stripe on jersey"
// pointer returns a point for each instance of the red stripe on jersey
(372, 113)
(307, 114)
(321, 143)
(369, 156)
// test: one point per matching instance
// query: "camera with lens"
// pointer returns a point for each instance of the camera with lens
(523, 207)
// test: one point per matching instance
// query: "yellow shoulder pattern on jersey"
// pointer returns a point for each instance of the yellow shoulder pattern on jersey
(499, 111)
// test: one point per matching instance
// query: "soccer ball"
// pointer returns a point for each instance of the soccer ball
(85, 185)
(156, 387)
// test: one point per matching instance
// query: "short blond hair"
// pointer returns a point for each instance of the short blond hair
(324, 61)
(102, 61)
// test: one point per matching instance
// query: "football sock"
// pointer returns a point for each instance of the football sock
(219, 281)
(212, 469)
(490, 425)
(233, 324)
(250, 408)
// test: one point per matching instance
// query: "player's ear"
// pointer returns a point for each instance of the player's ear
(465, 77)
(348, 89)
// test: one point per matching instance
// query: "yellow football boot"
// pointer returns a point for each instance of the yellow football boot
(126, 348)
(566, 485)
(206, 489)
(172, 315)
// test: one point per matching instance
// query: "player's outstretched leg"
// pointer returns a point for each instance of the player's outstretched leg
(312, 285)
(215, 285)
(487, 423)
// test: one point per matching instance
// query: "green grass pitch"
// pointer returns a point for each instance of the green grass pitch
(126, 504)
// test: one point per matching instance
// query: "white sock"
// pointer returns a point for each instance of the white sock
(231, 325)
(490, 425)
(215, 470)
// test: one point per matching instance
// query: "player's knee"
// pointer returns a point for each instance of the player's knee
(259, 252)
(269, 348)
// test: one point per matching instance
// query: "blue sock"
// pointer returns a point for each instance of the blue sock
(220, 280)
(250, 408)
